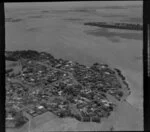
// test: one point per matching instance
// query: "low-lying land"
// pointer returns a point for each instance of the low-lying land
(116, 25)
(62, 87)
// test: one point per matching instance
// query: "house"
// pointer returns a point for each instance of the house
(96, 119)
(9, 117)
(86, 119)
(40, 107)
(78, 117)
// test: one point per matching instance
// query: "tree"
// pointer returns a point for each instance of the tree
(20, 119)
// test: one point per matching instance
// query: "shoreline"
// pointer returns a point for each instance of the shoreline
(121, 75)
(131, 98)
(126, 26)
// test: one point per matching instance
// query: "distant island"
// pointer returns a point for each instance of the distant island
(127, 26)
(39, 83)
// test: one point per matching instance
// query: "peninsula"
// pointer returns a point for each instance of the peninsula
(36, 83)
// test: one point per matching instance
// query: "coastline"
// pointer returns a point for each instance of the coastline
(134, 81)
(121, 75)
(70, 39)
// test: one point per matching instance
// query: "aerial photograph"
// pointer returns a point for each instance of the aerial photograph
(148, 51)
(74, 66)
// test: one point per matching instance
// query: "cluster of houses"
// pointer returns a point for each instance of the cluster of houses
(65, 88)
